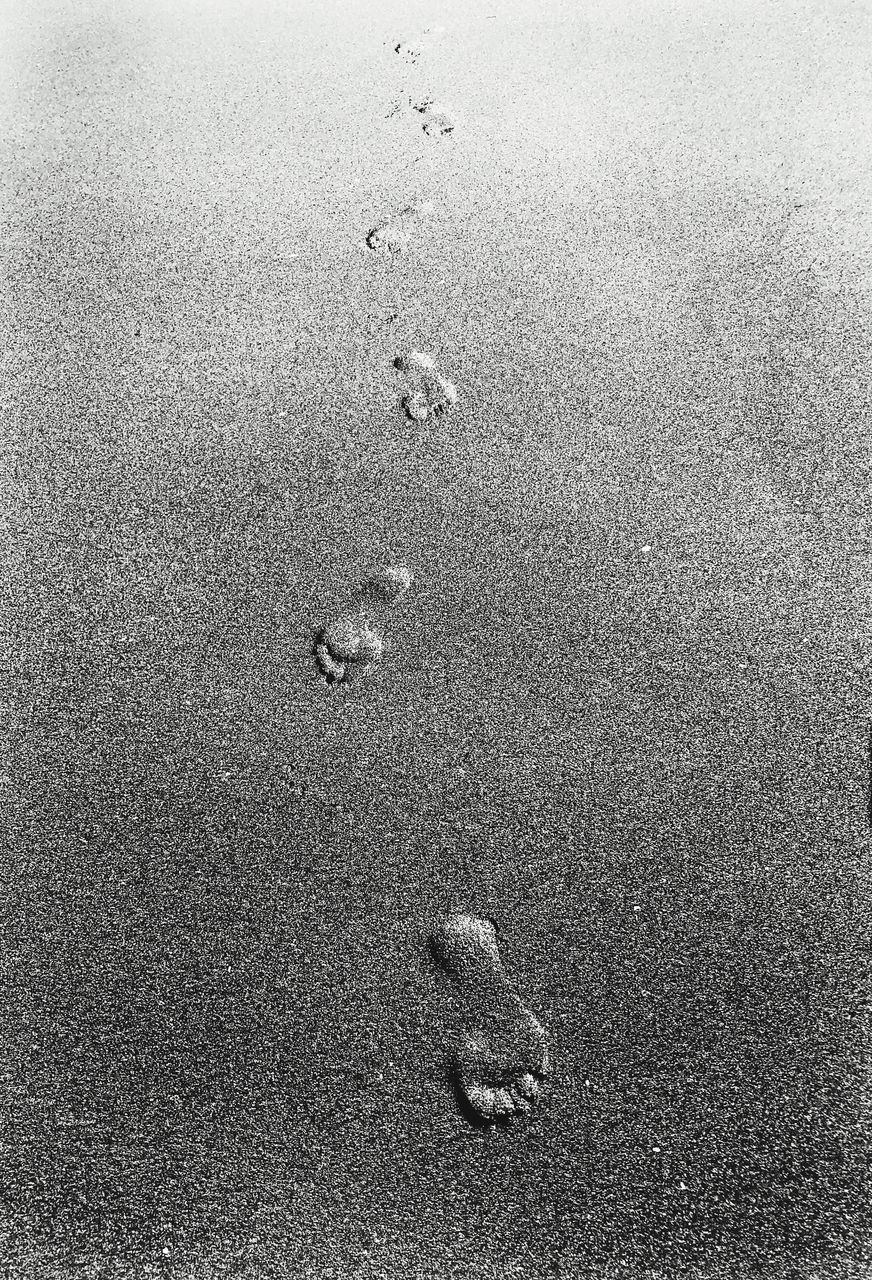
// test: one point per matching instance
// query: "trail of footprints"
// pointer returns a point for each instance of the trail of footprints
(502, 1059)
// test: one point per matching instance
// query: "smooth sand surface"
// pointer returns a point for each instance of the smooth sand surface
(624, 706)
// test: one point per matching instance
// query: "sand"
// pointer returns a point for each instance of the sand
(621, 710)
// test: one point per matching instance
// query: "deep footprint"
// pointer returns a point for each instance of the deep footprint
(395, 234)
(348, 646)
(428, 393)
(503, 1057)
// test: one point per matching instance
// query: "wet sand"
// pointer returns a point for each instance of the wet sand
(623, 706)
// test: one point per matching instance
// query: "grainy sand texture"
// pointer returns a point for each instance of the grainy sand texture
(611, 701)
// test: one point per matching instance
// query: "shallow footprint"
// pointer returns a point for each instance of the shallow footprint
(395, 234)
(348, 646)
(503, 1057)
(435, 120)
(428, 393)
(412, 50)
(387, 585)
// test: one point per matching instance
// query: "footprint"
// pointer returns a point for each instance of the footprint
(412, 50)
(348, 646)
(503, 1058)
(428, 393)
(409, 51)
(395, 234)
(436, 121)
(387, 586)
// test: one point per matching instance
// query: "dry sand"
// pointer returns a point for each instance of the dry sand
(623, 708)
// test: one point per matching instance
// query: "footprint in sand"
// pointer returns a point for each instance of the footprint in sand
(412, 50)
(436, 121)
(395, 234)
(427, 392)
(348, 646)
(503, 1058)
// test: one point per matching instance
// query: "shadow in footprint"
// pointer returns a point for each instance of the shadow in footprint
(465, 1107)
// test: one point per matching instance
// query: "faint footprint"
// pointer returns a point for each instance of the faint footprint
(504, 1056)
(395, 234)
(427, 391)
(350, 644)
(436, 121)
(412, 50)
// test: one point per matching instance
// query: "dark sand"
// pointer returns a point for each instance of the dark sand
(625, 708)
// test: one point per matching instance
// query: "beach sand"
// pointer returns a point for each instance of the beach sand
(622, 709)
